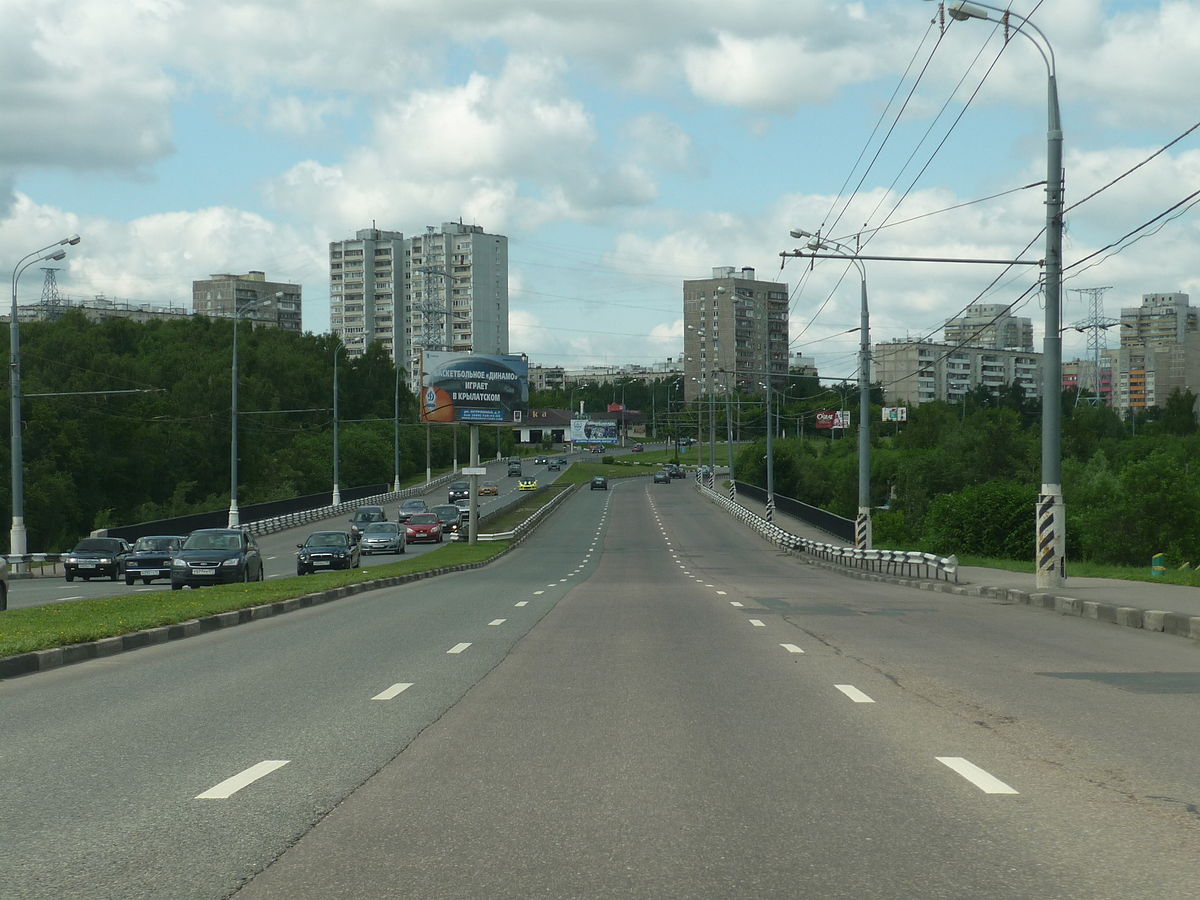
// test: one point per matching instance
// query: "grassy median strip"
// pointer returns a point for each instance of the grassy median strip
(1079, 569)
(582, 472)
(72, 622)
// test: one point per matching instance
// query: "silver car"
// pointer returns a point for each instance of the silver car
(382, 537)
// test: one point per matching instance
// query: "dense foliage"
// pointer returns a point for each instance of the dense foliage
(94, 461)
(964, 478)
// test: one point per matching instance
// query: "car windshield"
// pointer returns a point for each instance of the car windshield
(368, 515)
(414, 504)
(104, 545)
(446, 512)
(490, 484)
(381, 528)
(327, 539)
(460, 486)
(424, 519)
(213, 540)
(151, 544)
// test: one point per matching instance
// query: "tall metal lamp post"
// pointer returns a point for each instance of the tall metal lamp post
(1050, 552)
(238, 311)
(17, 544)
(862, 524)
(337, 456)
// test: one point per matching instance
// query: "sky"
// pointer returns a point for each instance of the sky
(621, 146)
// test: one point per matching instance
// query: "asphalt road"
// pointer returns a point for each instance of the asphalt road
(278, 550)
(645, 701)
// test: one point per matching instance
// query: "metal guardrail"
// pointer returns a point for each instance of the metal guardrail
(895, 562)
(275, 523)
(528, 524)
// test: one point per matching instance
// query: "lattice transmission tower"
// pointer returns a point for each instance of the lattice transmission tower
(1096, 325)
(52, 303)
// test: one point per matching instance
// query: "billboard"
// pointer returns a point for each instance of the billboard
(473, 388)
(829, 418)
(593, 431)
(895, 414)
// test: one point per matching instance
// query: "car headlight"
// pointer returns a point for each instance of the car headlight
(232, 561)
(340, 554)
(179, 563)
(411, 530)
(303, 557)
(72, 560)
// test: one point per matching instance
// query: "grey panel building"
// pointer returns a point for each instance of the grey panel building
(916, 372)
(990, 325)
(274, 304)
(735, 332)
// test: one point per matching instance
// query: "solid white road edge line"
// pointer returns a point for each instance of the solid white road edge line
(393, 691)
(853, 693)
(231, 786)
(459, 648)
(985, 781)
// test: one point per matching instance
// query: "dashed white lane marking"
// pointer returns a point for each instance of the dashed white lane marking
(62, 599)
(735, 603)
(231, 786)
(985, 781)
(497, 621)
(708, 585)
(758, 623)
(535, 593)
(552, 584)
(720, 593)
(523, 603)
(394, 691)
(853, 693)
(792, 648)
(459, 648)
(143, 590)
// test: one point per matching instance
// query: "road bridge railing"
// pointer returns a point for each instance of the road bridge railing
(908, 563)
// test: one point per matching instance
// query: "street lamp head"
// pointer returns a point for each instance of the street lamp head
(72, 240)
(57, 254)
(800, 233)
(961, 10)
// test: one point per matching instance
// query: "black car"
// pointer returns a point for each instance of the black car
(454, 521)
(365, 515)
(459, 490)
(674, 470)
(327, 550)
(151, 556)
(599, 483)
(554, 465)
(96, 558)
(411, 507)
(216, 556)
(662, 477)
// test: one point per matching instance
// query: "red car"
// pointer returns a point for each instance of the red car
(424, 527)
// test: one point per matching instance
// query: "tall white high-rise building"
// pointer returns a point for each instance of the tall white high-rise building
(445, 289)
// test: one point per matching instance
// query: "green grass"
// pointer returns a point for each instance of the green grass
(532, 501)
(59, 624)
(1186, 577)
(696, 455)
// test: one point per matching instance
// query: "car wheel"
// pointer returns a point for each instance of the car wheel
(129, 580)
(70, 577)
(299, 571)
(145, 580)
(112, 577)
(246, 575)
(176, 586)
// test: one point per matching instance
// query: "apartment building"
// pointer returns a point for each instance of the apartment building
(916, 372)
(1159, 352)
(735, 333)
(444, 289)
(989, 325)
(273, 304)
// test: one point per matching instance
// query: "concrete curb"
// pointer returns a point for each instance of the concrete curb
(56, 657)
(1178, 624)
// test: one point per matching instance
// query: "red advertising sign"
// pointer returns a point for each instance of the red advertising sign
(825, 418)
(616, 407)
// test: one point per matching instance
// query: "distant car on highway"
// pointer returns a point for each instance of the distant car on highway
(597, 448)
(599, 483)
(363, 516)
(150, 557)
(96, 558)
(424, 526)
(540, 460)
(328, 550)
(554, 465)
(662, 477)
(489, 489)
(382, 537)
(458, 490)
(411, 507)
(675, 471)
(636, 448)
(528, 483)
(216, 556)
(514, 468)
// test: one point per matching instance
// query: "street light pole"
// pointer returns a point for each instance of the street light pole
(862, 524)
(1051, 549)
(17, 540)
(396, 440)
(336, 499)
